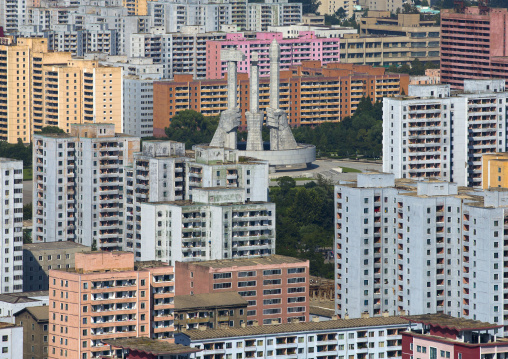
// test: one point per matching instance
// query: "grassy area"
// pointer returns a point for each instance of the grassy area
(27, 174)
(350, 170)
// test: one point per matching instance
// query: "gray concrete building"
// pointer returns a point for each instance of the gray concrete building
(433, 133)
(419, 247)
(40, 258)
(272, 13)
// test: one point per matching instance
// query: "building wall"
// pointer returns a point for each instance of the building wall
(261, 287)
(494, 170)
(138, 107)
(233, 316)
(35, 336)
(14, 342)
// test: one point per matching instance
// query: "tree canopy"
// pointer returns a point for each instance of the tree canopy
(360, 134)
(304, 223)
(417, 68)
(17, 151)
(51, 129)
(192, 128)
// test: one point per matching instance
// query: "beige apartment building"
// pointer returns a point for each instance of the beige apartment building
(385, 41)
(330, 7)
(40, 88)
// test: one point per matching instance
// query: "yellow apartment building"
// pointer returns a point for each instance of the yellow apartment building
(136, 7)
(41, 88)
(495, 170)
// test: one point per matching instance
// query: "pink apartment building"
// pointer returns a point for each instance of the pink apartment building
(292, 51)
(275, 287)
(106, 296)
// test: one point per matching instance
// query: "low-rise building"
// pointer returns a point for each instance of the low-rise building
(276, 287)
(12, 341)
(332, 339)
(443, 336)
(210, 310)
(431, 77)
(12, 303)
(108, 295)
(136, 348)
(35, 323)
(40, 258)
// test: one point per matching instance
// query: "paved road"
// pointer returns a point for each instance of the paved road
(325, 168)
(27, 192)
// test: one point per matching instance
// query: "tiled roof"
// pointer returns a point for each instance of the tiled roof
(447, 321)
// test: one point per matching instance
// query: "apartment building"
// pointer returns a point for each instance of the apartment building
(12, 341)
(420, 247)
(330, 7)
(310, 93)
(275, 287)
(218, 223)
(293, 52)
(89, 303)
(272, 13)
(11, 217)
(12, 15)
(187, 48)
(423, 139)
(320, 30)
(472, 47)
(444, 336)
(494, 170)
(35, 324)
(210, 310)
(78, 187)
(333, 339)
(40, 258)
(42, 88)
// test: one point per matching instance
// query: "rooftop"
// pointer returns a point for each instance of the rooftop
(150, 346)
(322, 308)
(53, 246)
(449, 322)
(40, 313)
(208, 300)
(295, 327)
(246, 262)
(22, 297)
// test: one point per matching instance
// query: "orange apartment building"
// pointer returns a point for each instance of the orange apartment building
(310, 94)
(44, 88)
(276, 287)
(106, 296)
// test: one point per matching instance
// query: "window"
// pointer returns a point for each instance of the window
(5, 338)
(222, 275)
(221, 285)
(433, 353)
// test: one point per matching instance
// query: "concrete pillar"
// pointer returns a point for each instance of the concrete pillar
(254, 116)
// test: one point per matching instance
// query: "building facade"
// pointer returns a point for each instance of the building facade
(419, 248)
(40, 258)
(310, 93)
(35, 324)
(272, 13)
(88, 304)
(12, 341)
(473, 30)
(79, 185)
(210, 310)
(306, 47)
(494, 170)
(359, 338)
(424, 139)
(276, 287)
(12, 303)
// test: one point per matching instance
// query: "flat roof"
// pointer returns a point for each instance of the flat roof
(150, 346)
(246, 262)
(447, 321)
(226, 299)
(295, 327)
(322, 308)
(53, 246)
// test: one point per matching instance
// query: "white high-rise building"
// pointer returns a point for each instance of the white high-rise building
(12, 14)
(217, 224)
(11, 225)
(78, 187)
(432, 133)
(420, 247)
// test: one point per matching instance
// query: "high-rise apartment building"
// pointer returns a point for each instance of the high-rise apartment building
(419, 247)
(275, 287)
(293, 51)
(330, 7)
(218, 223)
(79, 185)
(435, 134)
(12, 14)
(310, 93)
(11, 227)
(472, 47)
(44, 88)
(89, 304)
(272, 13)
(495, 170)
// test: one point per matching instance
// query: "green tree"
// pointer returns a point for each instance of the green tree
(51, 129)
(340, 13)
(27, 211)
(286, 183)
(27, 236)
(192, 128)
(417, 68)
